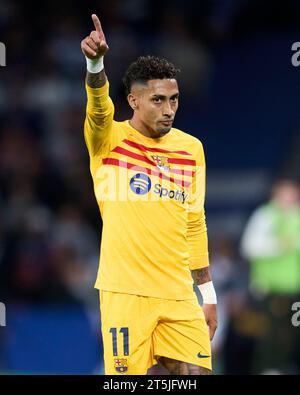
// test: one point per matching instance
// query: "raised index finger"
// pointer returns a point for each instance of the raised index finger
(97, 25)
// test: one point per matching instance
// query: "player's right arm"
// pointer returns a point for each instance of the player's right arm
(100, 109)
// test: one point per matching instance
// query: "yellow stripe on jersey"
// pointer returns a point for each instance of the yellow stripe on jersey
(151, 197)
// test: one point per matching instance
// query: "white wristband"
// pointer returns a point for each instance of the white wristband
(94, 65)
(208, 293)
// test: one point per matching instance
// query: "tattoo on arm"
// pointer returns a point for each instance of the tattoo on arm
(201, 276)
(96, 80)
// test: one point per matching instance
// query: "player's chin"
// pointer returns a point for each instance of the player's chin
(163, 129)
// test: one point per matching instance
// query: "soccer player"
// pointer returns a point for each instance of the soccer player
(149, 182)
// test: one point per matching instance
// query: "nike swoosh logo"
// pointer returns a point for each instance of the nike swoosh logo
(199, 355)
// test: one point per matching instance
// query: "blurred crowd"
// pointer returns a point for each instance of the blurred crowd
(258, 335)
(49, 221)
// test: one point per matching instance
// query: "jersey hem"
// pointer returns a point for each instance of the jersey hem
(139, 293)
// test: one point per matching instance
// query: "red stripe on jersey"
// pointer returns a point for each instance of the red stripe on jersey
(125, 152)
(182, 161)
(183, 172)
(144, 148)
(126, 165)
(178, 161)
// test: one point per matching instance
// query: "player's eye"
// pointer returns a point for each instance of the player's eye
(157, 100)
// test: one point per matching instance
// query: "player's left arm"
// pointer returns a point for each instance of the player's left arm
(198, 243)
(202, 278)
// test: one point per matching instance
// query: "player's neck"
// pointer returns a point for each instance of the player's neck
(144, 129)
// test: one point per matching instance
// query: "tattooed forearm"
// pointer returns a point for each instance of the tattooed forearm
(96, 80)
(201, 276)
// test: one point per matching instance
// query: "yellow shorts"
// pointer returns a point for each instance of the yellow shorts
(137, 330)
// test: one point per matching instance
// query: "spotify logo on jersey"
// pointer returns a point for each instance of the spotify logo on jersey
(140, 184)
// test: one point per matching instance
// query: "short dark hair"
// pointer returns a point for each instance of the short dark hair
(147, 68)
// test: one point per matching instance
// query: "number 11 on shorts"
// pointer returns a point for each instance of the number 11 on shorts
(125, 332)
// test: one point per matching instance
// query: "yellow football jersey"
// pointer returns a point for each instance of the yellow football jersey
(151, 198)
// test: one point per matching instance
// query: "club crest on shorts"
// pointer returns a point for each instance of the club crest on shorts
(121, 365)
(161, 162)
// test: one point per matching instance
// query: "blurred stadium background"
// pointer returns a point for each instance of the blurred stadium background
(239, 95)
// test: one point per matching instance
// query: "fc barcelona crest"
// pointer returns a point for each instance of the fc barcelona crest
(121, 365)
(161, 162)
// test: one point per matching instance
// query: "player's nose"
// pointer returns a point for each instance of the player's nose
(168, 110)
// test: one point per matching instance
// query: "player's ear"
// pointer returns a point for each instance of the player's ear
(133, 101)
